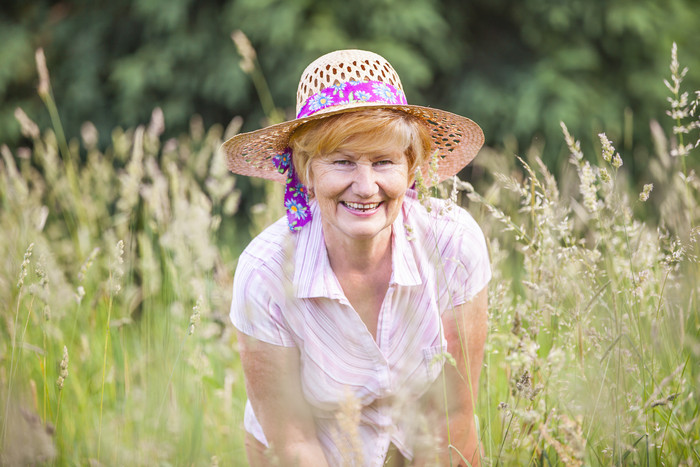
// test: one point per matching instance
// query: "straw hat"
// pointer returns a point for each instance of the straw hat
(344, 81)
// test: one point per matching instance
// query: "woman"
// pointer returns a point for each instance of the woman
(348, 308)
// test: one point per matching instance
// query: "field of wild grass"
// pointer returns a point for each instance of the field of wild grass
(116, 267)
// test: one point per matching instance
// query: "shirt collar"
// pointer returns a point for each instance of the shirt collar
(311, 265)
(404, 269)
(313, 276)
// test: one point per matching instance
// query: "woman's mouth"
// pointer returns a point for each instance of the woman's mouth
(362, 207)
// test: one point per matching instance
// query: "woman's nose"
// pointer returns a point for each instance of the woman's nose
(365, 183)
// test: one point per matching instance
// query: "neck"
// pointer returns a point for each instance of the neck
(360, 255)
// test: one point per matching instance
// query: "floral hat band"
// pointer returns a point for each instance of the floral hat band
(353, 92)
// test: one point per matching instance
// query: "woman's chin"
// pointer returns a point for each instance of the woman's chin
(365, 232)
(362, 225)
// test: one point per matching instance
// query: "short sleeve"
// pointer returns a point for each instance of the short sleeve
(254, 309)
(470, 260)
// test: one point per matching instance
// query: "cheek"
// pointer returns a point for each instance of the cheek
(317, 173)
(398, 184)
(328, 185)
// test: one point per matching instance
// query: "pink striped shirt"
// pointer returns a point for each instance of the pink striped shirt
(285, 293)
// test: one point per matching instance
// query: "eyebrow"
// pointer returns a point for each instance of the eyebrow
(372, 156)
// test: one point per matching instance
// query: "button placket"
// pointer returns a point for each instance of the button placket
(385, 319)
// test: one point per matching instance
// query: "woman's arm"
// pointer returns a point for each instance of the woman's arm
(273, 384)
(465, 329)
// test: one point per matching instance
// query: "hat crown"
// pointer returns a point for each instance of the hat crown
(342, 66)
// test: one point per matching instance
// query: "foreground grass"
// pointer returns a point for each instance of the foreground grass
(111, 258)
(115, 346)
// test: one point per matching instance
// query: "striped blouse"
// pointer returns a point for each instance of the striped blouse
(285, 293)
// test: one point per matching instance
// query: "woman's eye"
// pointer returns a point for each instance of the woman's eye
(384, 162)
(341, 162)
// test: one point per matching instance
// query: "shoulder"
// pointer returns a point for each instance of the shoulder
(450, 237)
(260, 285)
(441, 221)
(271, 243)
(267, 255)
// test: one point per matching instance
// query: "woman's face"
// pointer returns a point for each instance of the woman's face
(359, 195)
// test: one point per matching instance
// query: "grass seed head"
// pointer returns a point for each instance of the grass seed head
(422, 189)
(195, 316)
(608, 149)
(246, 51)
(63, 372)
(86, 265)
(27, 126)
(588, 188)
(89, 134)
(44, 86)
(644, 195)
(574, 146)
(117, 270)
(617, 161)
(24, 266)
(79, 294)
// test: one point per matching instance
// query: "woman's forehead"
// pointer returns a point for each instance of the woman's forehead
(373, 144)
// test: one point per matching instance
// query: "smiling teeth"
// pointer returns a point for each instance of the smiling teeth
(360, 206)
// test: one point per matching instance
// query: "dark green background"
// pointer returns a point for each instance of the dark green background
(517, 67)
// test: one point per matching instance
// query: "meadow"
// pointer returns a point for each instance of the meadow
(117, 264)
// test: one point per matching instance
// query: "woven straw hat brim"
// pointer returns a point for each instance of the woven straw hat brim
(456, 139)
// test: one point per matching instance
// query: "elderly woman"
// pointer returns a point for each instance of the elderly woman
(362, 314)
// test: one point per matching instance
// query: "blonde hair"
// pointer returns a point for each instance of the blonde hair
(366, 131)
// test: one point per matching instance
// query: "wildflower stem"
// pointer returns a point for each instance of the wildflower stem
(676, 96)
(453, 448)
(43, 374)
(488, 398)
(676, 110)
(58, 409)
(61, 138)
(653, 359)
(668, 420)
(12, 369)
(63, 374)
(251, 66)
(177, 359)
(170, 379)
(104, 365)
(595, 407)
(502, 217)
(505, 434)
(46, 95)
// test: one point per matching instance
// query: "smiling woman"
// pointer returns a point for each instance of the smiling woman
(347, 309)
(358, 166)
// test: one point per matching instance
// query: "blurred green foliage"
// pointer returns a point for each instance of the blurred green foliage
(517, 67)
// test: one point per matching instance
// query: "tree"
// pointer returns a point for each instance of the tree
(515, 67)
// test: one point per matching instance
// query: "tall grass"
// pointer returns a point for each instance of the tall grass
(594, 343)
(120, 258)
(115, 346)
